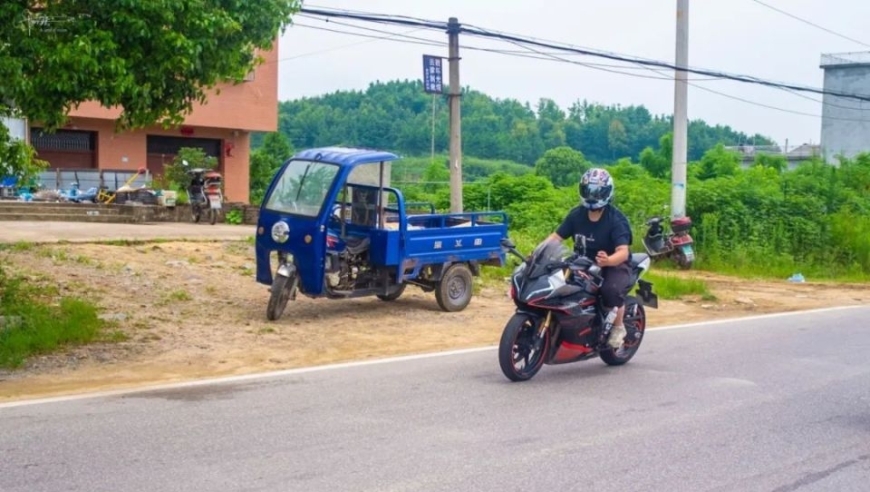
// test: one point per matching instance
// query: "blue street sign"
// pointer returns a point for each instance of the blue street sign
(433, 81)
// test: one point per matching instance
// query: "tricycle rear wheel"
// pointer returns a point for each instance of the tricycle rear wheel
(455, 288)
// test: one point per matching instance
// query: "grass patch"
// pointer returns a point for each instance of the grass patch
(33, 325)
(674, 287)
(18, 247)
(174, 296)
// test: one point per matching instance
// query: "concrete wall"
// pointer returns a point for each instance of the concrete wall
(845, 122)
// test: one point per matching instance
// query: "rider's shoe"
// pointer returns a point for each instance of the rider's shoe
(617, 334)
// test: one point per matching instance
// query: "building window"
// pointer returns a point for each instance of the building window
(63, 140)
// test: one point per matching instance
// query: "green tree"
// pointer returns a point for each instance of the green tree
(718, 162)
(563, 166)
(153, 60)
(187, 158)
(658, 163)
(617, 139)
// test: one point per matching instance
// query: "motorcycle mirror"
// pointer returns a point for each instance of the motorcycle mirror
(507, 243)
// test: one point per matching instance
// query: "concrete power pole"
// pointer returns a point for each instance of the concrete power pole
(681, 130)
(455, 119)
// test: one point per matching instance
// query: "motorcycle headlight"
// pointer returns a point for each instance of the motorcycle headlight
(280, 232)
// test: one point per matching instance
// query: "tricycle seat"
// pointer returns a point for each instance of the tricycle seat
(356, 244)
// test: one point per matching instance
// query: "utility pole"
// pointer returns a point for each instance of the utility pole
(681, 130)
(432, 149)
(455, 120)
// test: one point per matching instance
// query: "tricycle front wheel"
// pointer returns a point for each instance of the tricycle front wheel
(455, 288)
(282, 288)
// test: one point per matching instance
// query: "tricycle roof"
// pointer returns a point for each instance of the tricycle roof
(345, 156)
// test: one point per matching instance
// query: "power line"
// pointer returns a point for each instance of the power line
(388, 19)
(443, 43)
(783, 12)
(335, 48)
(522, 54)
(550, 57)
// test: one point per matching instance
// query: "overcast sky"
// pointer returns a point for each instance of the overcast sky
(737, 36)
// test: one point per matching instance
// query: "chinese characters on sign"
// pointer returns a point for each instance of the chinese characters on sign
(433, 81)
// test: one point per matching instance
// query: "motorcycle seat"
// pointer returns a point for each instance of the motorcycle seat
(638, 258)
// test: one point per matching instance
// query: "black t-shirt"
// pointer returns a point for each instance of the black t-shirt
(611, 230)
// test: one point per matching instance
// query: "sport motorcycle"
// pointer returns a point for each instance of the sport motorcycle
(560, 318)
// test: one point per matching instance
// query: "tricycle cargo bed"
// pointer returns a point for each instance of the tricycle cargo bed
(441, 238)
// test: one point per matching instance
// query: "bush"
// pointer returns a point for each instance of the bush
(764, 220)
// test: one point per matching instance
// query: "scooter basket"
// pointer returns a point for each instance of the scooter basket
(681, 225)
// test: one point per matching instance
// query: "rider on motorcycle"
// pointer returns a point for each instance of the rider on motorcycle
(608, 238)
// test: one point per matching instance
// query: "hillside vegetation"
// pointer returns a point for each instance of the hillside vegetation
(397, 115)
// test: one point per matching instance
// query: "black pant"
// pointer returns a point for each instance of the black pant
(615, 285)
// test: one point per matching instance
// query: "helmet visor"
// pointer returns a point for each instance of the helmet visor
(594, 192)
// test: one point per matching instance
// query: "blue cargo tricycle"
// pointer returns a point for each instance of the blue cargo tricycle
(337, 231)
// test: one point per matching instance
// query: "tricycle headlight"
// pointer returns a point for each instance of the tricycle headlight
(280, 232)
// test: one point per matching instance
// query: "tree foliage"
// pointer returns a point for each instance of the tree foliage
(153, 60)
(563, 166)
(397, 115)
(187, 158)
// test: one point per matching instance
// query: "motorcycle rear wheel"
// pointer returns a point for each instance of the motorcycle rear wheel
(635, 325)
(520, 333)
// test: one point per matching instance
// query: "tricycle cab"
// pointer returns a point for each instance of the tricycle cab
(299, 203)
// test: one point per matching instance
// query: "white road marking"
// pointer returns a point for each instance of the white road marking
(354, 364)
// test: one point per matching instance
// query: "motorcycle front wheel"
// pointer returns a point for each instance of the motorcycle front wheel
(517, 345)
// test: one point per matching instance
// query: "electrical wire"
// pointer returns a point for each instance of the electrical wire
(473, 31)
(335, 48)
(522, 54)
(549, 57)
(835, 33)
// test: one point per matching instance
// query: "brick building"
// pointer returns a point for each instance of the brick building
(221, 127)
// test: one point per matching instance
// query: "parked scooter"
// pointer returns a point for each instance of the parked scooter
(677, 244)
(204, 194)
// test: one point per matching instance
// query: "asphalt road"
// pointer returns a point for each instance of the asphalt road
(776, 404)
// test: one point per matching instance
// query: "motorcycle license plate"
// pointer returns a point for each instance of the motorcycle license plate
(215, 204)
(687, 250)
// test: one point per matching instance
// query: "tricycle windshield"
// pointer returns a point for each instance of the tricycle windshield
(302, 188)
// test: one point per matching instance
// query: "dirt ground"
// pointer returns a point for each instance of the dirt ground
(193, 310)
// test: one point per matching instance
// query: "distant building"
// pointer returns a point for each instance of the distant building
(845, 121)
(794, 156)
